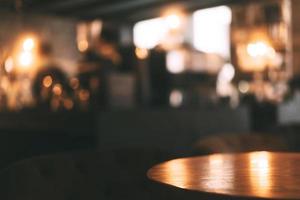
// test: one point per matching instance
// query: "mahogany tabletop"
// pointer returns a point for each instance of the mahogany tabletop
(256, 175)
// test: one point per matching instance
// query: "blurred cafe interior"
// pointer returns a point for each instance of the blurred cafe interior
(141, 82)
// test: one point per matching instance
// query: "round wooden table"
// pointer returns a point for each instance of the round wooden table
(250, 175)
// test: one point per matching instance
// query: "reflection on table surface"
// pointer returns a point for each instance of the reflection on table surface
(257, 174)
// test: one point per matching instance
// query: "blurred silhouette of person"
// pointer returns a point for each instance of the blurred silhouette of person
(49, 80)
(98, 63)
(160, 80)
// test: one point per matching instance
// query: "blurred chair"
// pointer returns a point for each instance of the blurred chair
(290, 132)
(116, 174)
(231, 143)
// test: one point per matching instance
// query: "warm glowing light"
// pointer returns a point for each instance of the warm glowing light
(141, 53)
(5, 83)
(176, 169)
(47, 81)
(26, 59)
(226, 74)
(74, 82)
(276, 59)
(173, 21)
(176, 98)
(28, 44)
(246, 62)
(84, 95)
(25, 56)
(260, 172)
(57, 89)
(68, 104)
(216, 179)
(212, 30)
(259, 160)
(257, 49)
(176, 62)
(257, 56)
(244, 87)
(225, 77)
(149, 33)
(9, 64)
(82, 36)
(216, 160)
(96, 28)
(83, 45)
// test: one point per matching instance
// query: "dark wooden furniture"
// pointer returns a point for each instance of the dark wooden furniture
(28, 133)
(84, 175)
(250, 175)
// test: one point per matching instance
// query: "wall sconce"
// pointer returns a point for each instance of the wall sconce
(259, 58)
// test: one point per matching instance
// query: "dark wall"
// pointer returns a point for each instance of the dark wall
(175, 130)
(23, 135)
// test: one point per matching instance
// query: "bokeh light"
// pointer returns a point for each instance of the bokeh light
(9, 64)
(176, 98)
(84, 95)
(141, 53)
(176, 62)
(68, 104)
(74, 83)
(57, 89)
(244, 87)
(258, 48)
(173, 21)
(211, 30)
(83, 45)
(28, 44)
(26, 59)
(47, 81)
(226, 74)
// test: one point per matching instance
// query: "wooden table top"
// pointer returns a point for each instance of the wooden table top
(258, 174)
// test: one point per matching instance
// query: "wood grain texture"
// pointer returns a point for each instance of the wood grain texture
(256, 175)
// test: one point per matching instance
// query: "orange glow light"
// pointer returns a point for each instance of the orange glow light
(244, 87)
(260, 172)
(173, 171)
(9, 64)
(47, 81)
(28, 44)
(174, 18)
(173, 21)
(57, 89)
(258, 48)
(25, 54)
(83, 45)
(84, 95)
(68, 104)
(215, 169)
(141, 53)
(26, 59)
(74, 82)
